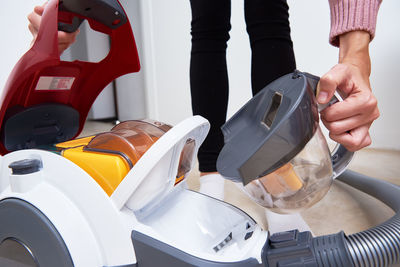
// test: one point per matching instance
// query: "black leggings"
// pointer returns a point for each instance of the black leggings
(272, 56)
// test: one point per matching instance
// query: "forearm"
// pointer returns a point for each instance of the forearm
(354, 50)
(349, 121)
(352, 29)
(352, 15)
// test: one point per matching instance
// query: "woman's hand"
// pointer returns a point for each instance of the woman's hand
(349, 121)
(64, 39)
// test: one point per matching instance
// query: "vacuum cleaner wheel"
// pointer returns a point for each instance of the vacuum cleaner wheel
(28, 238)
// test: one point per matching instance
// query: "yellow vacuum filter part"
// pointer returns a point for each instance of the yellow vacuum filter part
(109, 156)
(108, 170)
(282, 180)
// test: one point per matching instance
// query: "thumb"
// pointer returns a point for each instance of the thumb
(328, 84)
(317, 93)
(39, 9)
(323, 96)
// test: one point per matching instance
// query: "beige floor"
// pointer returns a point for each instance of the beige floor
(343, 208)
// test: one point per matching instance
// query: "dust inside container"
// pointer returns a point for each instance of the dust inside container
(298, 184)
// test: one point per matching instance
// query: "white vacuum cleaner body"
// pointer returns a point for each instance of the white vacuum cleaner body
(114, 199)
(100, 230)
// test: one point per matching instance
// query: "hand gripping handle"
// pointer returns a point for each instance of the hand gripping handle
(341, 157)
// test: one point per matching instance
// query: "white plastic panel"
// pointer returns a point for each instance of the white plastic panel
(91, 226)
(204, 227)
(153, 176)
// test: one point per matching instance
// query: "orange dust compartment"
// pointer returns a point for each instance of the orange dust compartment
(109, 156)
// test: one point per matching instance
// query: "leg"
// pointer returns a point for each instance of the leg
(272, 49)
(209, 83)
(208, 73)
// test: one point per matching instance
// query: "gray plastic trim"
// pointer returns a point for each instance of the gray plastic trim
(272, 128)
(14, 253)
(341, 157)
(375, 247)
(128, 265)
(249, 139)
(39, 125)
(294, 248)
(22, 221)
(107, 12)
(151, 253)
(332, 250)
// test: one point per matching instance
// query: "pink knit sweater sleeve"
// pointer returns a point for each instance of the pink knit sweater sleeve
(350, 15)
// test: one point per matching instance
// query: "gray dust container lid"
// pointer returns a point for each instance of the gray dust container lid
(271, 129)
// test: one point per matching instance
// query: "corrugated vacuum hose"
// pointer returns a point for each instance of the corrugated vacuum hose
(376, 247)
(380, 245)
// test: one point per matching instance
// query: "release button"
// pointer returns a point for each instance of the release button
(284, 239)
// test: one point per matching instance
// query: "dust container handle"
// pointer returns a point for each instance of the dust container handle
(340, 156)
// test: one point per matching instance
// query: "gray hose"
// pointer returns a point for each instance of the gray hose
(380, 245)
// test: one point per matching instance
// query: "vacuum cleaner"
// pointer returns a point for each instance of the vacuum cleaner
(119, 198)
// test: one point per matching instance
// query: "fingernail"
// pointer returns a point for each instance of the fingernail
(322, 97)
(318, 89)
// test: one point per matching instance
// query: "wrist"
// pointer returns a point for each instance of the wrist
(354, 50)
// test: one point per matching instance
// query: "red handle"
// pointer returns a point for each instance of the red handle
(40, 77)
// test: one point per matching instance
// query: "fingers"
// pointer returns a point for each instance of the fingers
(355, 139)
(34, 19)
(342, 126)
(66, 39)
(362, 102)
(39, 9)
(335, 78)
(348, 121)
(359, 108)
(32, 30)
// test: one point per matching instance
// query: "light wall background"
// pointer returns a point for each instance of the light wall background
(168, 53)
(15, 36)
(164, 47)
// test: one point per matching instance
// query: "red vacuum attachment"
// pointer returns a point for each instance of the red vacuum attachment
(47, 100)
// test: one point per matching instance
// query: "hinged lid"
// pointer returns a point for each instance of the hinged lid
(270, 129)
